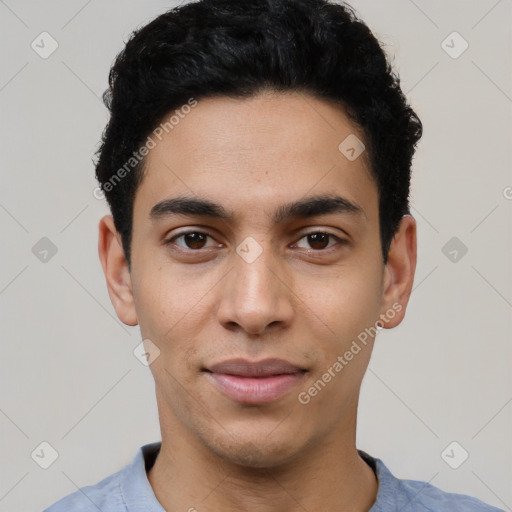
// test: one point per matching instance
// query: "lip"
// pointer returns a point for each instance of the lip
(255, 382)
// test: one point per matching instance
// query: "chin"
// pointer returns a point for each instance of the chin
(258, 452)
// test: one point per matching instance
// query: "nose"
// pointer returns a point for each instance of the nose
(256, 293)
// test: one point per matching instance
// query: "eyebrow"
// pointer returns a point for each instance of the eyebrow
(309, 207)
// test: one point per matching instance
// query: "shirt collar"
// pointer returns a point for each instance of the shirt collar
(136, 490)
(139, 496)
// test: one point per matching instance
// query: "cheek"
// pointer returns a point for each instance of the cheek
(343, 305)
(165, 299)
(343, 323)
(174, 309)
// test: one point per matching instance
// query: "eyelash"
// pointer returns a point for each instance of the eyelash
(339, 240)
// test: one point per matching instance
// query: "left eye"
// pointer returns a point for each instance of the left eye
(319, 240)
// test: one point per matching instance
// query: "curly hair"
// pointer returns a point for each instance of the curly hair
(237, 48)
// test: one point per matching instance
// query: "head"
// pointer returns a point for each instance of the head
(257, 164)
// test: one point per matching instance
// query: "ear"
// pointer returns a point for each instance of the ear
(117, 273)
(399, 273)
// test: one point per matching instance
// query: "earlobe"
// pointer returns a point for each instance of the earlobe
(117, 273)
(399, 273)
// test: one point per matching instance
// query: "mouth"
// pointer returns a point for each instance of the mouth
(254, 382)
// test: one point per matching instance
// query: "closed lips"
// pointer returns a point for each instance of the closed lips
(261, 369)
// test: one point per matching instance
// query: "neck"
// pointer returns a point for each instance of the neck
(329, 476)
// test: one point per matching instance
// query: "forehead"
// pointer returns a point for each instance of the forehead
(252, 153)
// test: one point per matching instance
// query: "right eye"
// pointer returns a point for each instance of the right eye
(191, 240)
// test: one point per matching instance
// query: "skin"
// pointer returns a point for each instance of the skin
(202, 303)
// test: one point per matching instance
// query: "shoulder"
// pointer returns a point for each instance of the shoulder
(106, 496)
(129, 488)
(426, 497)
(418, 496)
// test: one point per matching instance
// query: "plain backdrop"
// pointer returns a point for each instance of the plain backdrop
(68, 373)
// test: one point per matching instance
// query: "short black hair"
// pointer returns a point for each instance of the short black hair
(238, 48)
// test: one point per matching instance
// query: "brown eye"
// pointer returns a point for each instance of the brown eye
(318, 241)
(193, 240)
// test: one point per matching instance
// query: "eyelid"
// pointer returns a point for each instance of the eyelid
(325, 231)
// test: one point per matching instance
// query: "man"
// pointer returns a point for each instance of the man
(257, 164)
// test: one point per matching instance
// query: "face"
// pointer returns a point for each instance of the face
(260, 284)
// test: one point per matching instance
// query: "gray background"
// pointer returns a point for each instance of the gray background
(69, 376)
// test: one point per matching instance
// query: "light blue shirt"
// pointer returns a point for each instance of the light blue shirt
(129, 490)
